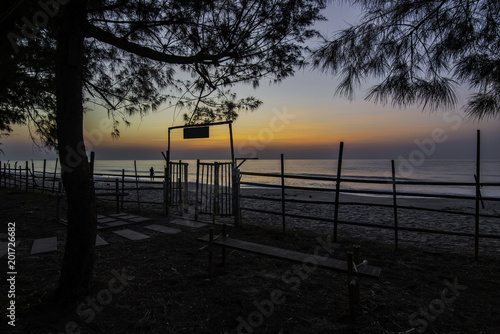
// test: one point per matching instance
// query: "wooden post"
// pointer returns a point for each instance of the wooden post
(43, 175)
(123, 188)
(231, 139)
(197, 189)
(117, 190)
(167, 180)
(337, 192)
(20, 177)
(54, 178)
(236, 197)
(15, 175)
(186, 188)
(27, 177)
(395, 206)
(478, 195)
(224, 235)
(137, 186)
(92, 163)
(33, 174)
(283, 220)
(356, 249)
(210, 252)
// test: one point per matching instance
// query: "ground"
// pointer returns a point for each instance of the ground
(161, 284)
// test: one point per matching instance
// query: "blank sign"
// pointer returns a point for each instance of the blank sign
(191, 133)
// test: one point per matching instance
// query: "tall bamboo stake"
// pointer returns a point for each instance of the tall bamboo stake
(395, 206)
(337, 192)
(283, 220)
(137, 186)
(478, 194)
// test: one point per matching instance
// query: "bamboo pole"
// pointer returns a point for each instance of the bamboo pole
(478, 195)
(395, 206)
(15, 175)
(117, 191)
(55, 175)
(33, 174)
(197, 189)
(283, 219)
(123, 187)
(27, 177)
(137, 186)
(337, 191)
(43, 175)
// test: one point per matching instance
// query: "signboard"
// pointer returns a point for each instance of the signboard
(198, 132)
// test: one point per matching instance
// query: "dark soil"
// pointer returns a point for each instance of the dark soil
(167, 288)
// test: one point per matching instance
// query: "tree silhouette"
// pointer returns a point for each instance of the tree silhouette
(421, 50)
(125, 55)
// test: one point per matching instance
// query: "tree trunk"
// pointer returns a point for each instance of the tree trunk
(77, 267)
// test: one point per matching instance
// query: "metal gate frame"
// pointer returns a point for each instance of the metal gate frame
(168, 180)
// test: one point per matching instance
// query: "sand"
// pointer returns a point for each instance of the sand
(357, 209)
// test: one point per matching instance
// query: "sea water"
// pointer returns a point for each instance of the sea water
(452, 171)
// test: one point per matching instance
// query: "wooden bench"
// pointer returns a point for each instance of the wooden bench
(352, 266)
(290, 255)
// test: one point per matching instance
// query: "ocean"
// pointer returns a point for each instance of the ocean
(455, 171)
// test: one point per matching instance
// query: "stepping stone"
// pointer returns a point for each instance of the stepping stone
(106, 220)
(44, 245)
(127, 216)
(163, 229)
(116, 223)
(100, 241)
(116, 215)
(131, 235)
(4, 247)
(188, 223)
(139, 219)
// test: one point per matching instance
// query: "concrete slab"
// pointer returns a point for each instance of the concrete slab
(106, 220)
(100, 241)
(121, 214)
(44, 245)
(131, 235)
(116, 223)
(163, 229)
(139, 219)
(189, 223)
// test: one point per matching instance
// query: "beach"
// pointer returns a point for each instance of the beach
(169, 289)
(356, 209)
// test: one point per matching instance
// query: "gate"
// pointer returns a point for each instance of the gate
(177, 189)
(214, 193)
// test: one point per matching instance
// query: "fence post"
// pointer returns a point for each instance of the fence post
(478, 195)
(43, 175)
(186, 188)
(283, 219)
(123, 188)
(15, 175)
(55, 175)
(337, 192)
(137, 186)
(395, 206)
(92, 163)
(197, 189)
(117, 190)
(27, 177)
(33, 174)
(236, 197)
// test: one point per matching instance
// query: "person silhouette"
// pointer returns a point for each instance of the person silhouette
(152, 174)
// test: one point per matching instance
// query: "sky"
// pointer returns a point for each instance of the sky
(300, 118)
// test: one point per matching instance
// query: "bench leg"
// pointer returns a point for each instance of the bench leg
(223, 255)
(210, 253)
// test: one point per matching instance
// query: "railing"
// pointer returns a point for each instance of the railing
(336, 190)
